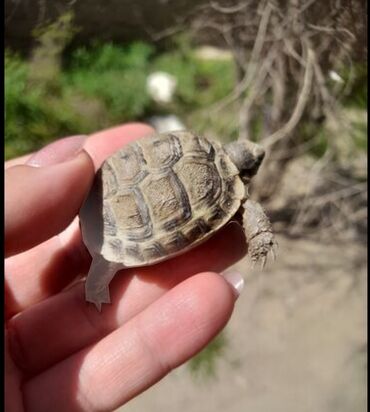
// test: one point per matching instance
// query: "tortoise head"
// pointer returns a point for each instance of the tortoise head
(247, 157)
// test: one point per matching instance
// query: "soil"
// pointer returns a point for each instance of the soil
(296, 341)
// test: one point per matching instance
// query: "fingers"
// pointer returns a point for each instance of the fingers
(56, 261)
(102, 144)
(35, 195)
(41, 201)
(17, 161)
(55, 264)
(97, 145)
(79, 324)
(138, 354)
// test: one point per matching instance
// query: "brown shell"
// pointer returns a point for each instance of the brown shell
(159, 196)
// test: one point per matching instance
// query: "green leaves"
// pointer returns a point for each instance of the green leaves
(99, 86)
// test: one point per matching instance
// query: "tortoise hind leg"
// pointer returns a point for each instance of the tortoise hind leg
(100, 274)
(258, 231)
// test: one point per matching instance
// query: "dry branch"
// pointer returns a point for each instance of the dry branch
(284, 52)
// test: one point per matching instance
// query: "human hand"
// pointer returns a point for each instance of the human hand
(61, 354)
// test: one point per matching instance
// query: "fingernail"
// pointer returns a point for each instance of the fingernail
(236, 280)
(58, 151)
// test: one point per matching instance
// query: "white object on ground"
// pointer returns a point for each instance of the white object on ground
(169, 123)
(161, 86)
(335, 76)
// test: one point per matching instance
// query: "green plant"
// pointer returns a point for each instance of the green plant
(34, 113)
(356, 76)
(113, 74)
(102, 85)
(204, 364)
(200, 82)
(22, 107)
(51, 39)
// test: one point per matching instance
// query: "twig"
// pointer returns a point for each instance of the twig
(331, 30)
(228, 10)
(300, 106)
(340, 194)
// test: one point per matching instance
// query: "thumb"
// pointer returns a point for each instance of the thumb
(42, 201)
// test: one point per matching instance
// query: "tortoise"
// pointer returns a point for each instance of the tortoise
(164, 194)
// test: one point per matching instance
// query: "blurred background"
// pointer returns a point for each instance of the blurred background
(291, 75)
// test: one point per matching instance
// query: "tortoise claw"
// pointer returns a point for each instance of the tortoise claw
(97, 282)
(101, 296)
(98, 306)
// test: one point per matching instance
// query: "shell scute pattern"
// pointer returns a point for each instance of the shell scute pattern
(201, 179)
(153, 252)
(161, 153)
(167, 199)
(128, 166)
(131, 215)
(166, 193)
(196, 146)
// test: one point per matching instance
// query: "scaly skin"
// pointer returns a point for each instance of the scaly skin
(258, 231)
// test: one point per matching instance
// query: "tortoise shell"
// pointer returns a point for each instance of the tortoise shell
(160, 196)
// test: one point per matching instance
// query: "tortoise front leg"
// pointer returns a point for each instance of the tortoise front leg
(258, 231)
(100, 274)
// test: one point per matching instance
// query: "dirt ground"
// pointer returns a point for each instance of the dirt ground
(296, 341)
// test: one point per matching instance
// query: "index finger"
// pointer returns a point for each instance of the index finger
(17, 161)
(102, 144)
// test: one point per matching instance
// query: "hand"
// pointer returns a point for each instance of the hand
(61, 354)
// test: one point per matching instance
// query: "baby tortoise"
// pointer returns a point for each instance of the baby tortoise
(160, 196)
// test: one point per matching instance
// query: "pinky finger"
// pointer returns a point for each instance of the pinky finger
(139, 353)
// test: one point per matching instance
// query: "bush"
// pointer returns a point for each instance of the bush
(34, 113)
(27, 116)
(113, 74)
(101, 86)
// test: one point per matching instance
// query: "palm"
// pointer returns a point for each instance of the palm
(62, 351)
